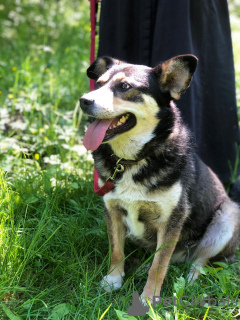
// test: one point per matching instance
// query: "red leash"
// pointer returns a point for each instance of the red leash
(108, 186)
(93, 34)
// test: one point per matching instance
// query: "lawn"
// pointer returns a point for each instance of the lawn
(53, 241)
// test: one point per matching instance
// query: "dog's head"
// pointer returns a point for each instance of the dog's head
(129, 97)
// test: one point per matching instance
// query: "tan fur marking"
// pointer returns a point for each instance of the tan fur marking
(128, 144)
(119, 76)
(160, 263)
(104, 78)
(116, 231)
(129, 94)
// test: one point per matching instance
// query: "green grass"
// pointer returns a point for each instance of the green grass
(54, 247)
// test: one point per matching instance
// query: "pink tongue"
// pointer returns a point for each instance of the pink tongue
(95, 134)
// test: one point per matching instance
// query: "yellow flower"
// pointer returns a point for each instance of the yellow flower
(14, 69)
(0, 91)
(45, 138)
(10, 96)
(54, 79)
(87, 28)
(52, 107)
(41, 130)
(36, 156)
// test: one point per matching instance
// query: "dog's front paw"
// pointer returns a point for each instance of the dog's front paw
(144, 296)
(193, 274)
(112, 283)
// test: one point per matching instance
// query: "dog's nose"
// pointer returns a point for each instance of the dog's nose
(86, 103)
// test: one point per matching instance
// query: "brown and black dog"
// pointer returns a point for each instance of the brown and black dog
(164, 196)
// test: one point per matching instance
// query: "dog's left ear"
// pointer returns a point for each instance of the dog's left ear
(175, 75)
(100, 66)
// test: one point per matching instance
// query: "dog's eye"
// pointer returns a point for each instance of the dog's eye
(125, 86)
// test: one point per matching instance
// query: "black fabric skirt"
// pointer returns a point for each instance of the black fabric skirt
(149, 32)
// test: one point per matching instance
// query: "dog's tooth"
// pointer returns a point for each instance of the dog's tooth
(119, 123)
(123, 119)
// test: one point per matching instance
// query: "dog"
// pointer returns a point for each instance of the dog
(161, 194)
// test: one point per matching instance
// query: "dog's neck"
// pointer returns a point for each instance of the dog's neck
(127, 162)
(129, 146)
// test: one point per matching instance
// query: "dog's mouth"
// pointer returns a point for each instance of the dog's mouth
(119, 125)
(107, 129)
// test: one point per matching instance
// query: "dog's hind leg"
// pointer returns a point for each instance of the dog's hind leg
(116, 232)
(220, 239)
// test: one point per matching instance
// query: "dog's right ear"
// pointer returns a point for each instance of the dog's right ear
(100, 66)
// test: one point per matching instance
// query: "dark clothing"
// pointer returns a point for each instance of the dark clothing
(149, 32)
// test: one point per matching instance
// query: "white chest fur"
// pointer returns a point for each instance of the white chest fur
(135, 199)
(134, 226)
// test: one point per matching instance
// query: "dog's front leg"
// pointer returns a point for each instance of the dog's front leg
(116, 232)
(165, 247)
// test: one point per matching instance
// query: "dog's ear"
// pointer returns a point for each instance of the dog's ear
(100, 66)
(175, 75)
